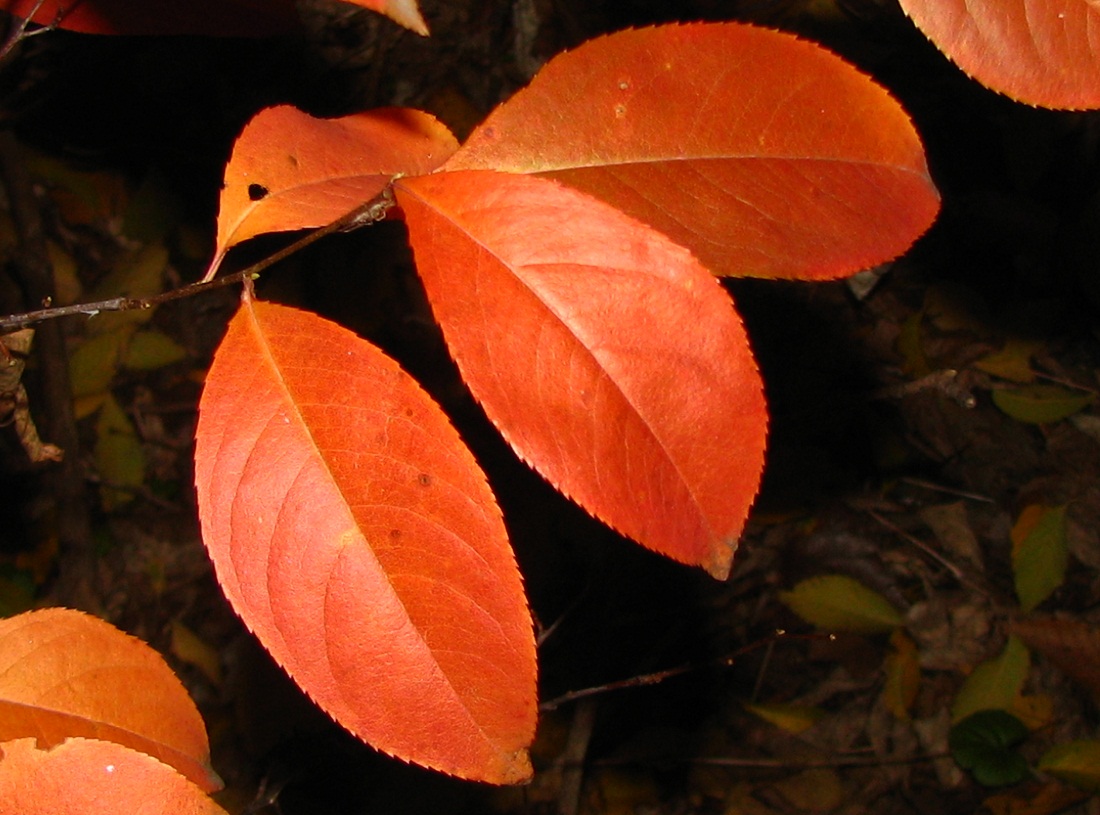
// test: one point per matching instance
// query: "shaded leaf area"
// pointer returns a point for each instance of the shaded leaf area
(889, 461)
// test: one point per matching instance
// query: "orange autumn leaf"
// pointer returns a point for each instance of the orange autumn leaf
(224, 18)
(402, 12)
(356, 536)
(607, 356)
(808, 171)
(90, 777)
(64, 673)
(1041, 52)
(290, 170)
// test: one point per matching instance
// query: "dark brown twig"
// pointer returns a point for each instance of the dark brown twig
(75, 585)
(373, 210)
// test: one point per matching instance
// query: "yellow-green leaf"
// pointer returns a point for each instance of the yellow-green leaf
(995, 684)
(1012, 362)
(118, 455)
(836, 602)
(792, 718)
(149, 350)
(1041, 404)
(138, 275)
(1039, 555)
(902, 671)
(95, 361)
(1076, 763)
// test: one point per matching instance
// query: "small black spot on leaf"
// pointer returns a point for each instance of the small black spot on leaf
(257, 192)
(424, 479)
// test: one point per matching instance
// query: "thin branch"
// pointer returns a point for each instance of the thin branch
(839, 761)
(19, 32)
(371, 211)
(661, 676)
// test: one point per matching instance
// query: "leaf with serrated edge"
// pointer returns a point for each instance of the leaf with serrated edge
(290, 170)
(1041, 52)
(608, 357)
(64, 673)
(812, 171)
(356, 536)
(90, 777)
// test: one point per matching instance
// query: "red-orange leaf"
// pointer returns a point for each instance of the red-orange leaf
(225, 18)
(1042, 52)
(608, 357)
(763, 154)
(355, 535)
(402, 12)
(89, 777)
(64, 673)
(290, 170)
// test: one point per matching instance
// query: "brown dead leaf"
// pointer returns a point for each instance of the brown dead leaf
(1045, 800)
(1072, 645)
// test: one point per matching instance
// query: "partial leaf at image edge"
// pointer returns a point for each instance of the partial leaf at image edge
(811, 172)
(1040, 52)
(93, 777)
(1075, 762)
(66, 674)
(621, 371)
(356, 536)
(402, 12)
(223, 18)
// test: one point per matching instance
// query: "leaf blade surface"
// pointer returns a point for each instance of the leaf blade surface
(290, 170)
(354, 533)
(90, 777)
(1040, 52)
(812, 171)
(66, 674)
(608, 357)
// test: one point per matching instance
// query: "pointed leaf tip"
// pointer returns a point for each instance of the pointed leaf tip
(355, 535)
(607, 356)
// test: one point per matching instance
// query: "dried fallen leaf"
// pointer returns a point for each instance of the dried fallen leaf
(1072, 645)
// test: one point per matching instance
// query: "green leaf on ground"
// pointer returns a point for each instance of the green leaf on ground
(1040, 554)
(1041, 404)
(95, 362)
(149, 350)
(836, 602)
(995, 684)
(1076, 763)
(119, 456)
(792, 718)
(984, 743)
